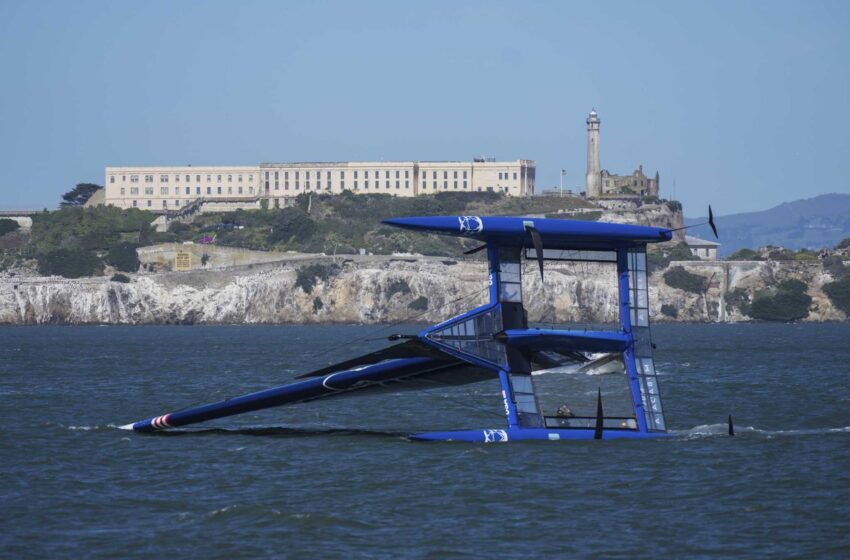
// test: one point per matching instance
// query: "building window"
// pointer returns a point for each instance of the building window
(149, 203)
(464, 174)
(230, 178)
(435, 185)
(318, 185)
(209, 189)
(149, 190)
(122, 191)
(135, 203)
(366, 175)
(307, 183)
(296, 175)
(177, 204)
(388, 183)
(112, 179)
(177, 178)
(455, 185)
(286, 185)
(342, 175)
(455, 175)
(197, 178)
(163, 190)
(387, 174)
(219, 179)
(514, 175)
(188, 190)
(342, 185)
(297, 183)
(218, 190)
(165, 204)
(407, 184)
(277, 185)
(355, 176)
(209, 178)
(148, 178)
(445, 185)
(445, 174)
(424, 184)
(134, 178)
(464, 185)
(229, 190)
(397, 185)
(396, 173)
(251, 189)
(407, 174)
(197, 190)
(163, 178)
(189, 178)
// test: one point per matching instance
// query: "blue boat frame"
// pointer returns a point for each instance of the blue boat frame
(506, 350)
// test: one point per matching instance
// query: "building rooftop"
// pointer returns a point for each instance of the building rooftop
(692, 241)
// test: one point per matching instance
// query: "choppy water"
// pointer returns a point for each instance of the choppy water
(335, 479)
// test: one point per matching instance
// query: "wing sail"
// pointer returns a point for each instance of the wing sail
(394, 368)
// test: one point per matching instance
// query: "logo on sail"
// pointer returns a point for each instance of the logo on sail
(470, 224)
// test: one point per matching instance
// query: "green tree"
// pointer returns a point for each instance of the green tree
(839, 294)
(291, 224)
(789, 303)
(70, 263)
(745, 255)
(79, 195)
(678, 277)
(123, 256)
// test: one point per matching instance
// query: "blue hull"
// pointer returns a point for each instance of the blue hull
(528, 434)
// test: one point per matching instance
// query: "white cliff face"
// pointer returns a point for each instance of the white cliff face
(379, 290)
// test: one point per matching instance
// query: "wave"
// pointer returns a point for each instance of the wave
(713, 430)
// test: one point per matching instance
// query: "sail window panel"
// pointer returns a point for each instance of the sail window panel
(510, 292)
(525, 402)
(522, 384)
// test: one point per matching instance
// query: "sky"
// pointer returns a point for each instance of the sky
(740, 104)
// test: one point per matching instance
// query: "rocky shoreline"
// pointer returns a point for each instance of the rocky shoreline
(310, 289)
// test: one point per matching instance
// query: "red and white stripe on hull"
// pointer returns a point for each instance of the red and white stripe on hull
(161, 422)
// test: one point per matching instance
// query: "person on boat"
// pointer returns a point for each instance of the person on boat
(564, 412)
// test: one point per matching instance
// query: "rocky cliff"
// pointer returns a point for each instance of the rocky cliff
(373, 289)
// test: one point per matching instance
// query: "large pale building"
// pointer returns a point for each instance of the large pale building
(172, 188)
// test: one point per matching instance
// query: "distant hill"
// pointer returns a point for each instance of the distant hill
(811, 223)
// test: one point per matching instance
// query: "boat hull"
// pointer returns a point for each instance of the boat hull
(531, 434)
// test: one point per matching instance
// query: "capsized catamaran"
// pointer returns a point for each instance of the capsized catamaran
(494, 341)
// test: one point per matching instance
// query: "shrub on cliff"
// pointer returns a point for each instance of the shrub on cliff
(669, 311)
(789, 303)
(839, 294)
(122, 278)
(307, 277)
(660, 257)
(745, 255)
(70, 263)
(419, 304)
(123, 257)
(678, 277)
(843, 244)
(398, 286)
(8, 226)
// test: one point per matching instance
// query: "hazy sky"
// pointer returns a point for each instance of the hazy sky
(741, 104)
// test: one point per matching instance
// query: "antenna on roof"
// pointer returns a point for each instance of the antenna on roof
(710, 223)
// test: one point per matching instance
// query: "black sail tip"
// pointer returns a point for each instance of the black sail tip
(600, 415)
(711, 222)
(537, 241)
(731, 426)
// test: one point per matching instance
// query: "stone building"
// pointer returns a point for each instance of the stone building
(704, 249)
(164, 189)
(599, 183)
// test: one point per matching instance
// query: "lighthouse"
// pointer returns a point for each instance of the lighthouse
(593, 178)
